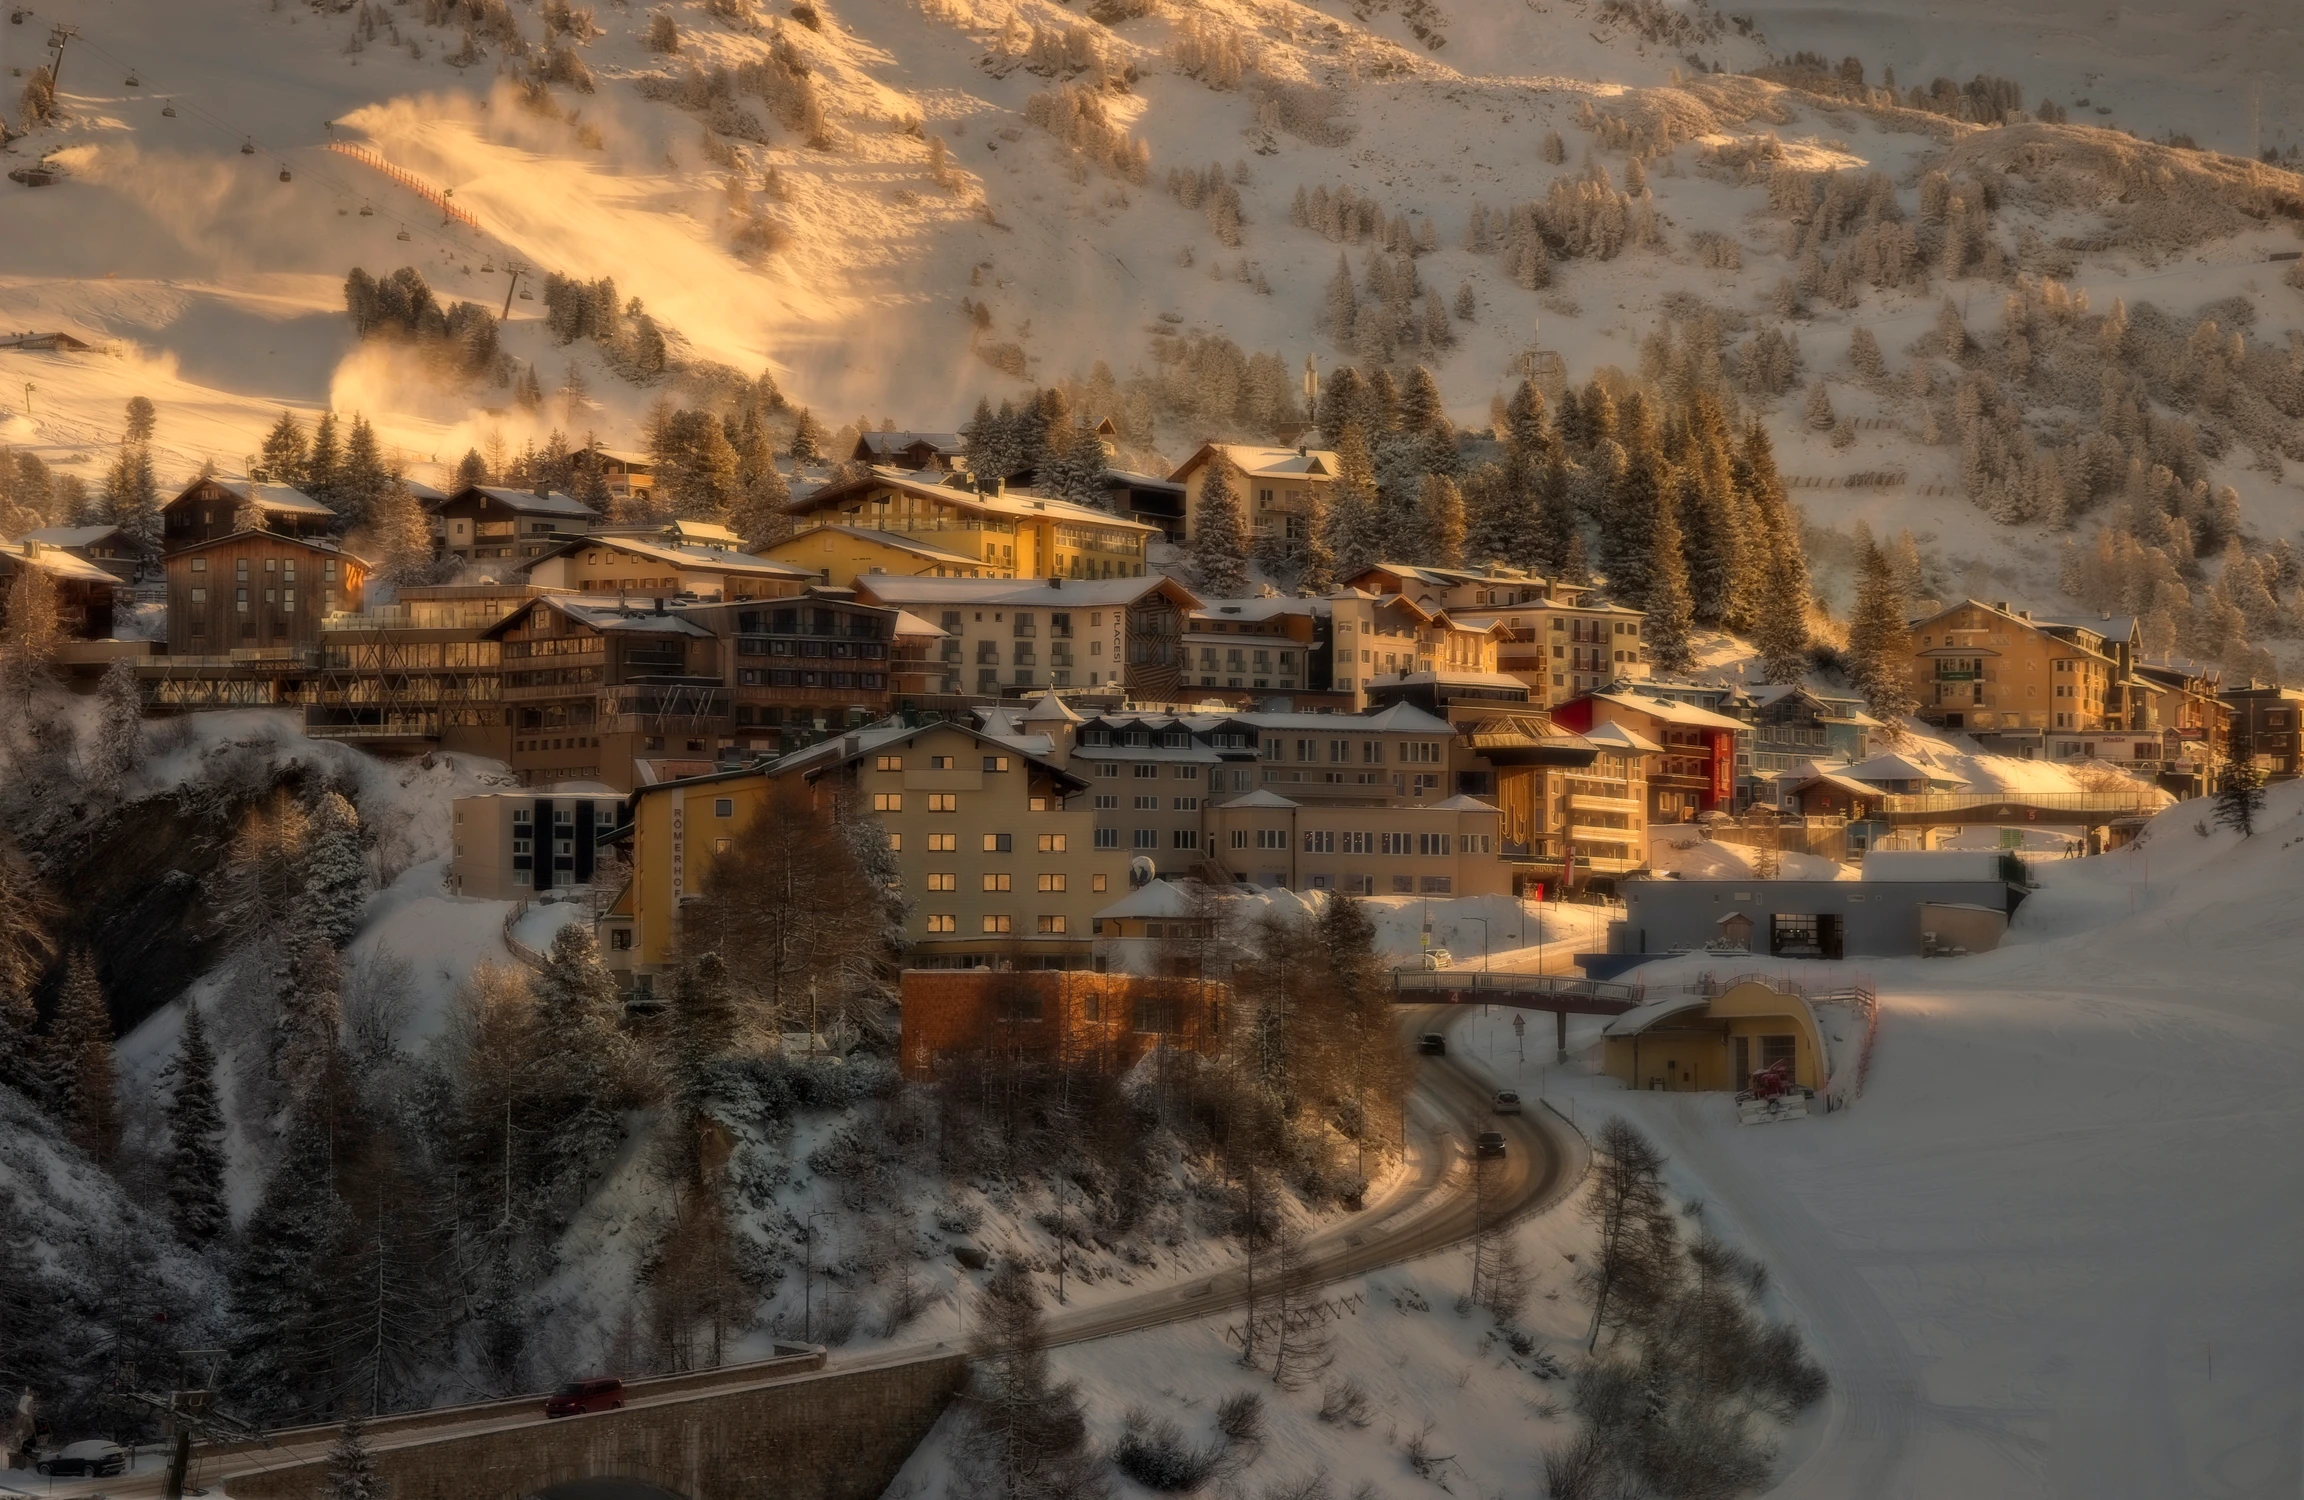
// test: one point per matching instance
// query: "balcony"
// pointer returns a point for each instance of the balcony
(1587, 802)
(645, 706)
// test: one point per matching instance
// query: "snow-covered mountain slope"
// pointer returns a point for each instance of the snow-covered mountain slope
(898, 288)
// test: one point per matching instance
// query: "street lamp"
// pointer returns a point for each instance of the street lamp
(808, 1275)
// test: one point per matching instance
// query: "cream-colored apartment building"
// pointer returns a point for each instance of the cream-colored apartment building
(1444, 848)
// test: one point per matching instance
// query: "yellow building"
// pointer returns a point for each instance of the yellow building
(1987, 667)
(995, 845)
(1445, 848)
(1689, 1043)
(1014, 534)
(845, 556)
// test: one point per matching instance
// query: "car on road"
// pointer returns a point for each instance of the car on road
(93, 1457)
(1507, 1102)
(1488, 1143)
(582, 1397)
(1433, 958)
(1432, 1044)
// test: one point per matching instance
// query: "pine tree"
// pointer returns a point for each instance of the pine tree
(472, 469)
(196, 1157)
(33, 1357)
(399, 534)
(1342, 304)
(1340, 403)
(363, 480)
(119, 746)
(335, 871)
(282, 1345)
(1355, 537)
(1628, 533)
(1877, 647)
(1442, 522)
(2240, 800)
(84, 1083)
(1026, 1437)
(808, 437)
(1780, 615)
(324, 466)
(308, 1030)
(1219, 544)
(1077, 473)
(1557, 530)
(132, 498)
(1421, 412)
(26, 909)
(583, 1062)
(758, 514)
(351, 1468)
(703, 1023)
(286, 451)
(1667, 599)
(1526, 430)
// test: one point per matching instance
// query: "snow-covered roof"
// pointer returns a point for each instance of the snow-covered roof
(70, 536)
(528, 502)
(1154, 898)
(1137, 481)
(1673, 711)
(1464, 803)
(1400, 718)
(701, 557)
(280, 499)
(1048, 706)
(899, 540)
(910, 624)
(935, 485)
(1018, 593)
(1894, 767)
(57, 563)
(1259, 798)
(1262, 462)
(1261, 607)
(1458, 676)
(1617, 737)
(892, 443)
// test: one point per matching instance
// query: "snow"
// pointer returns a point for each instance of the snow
(2044, 1252)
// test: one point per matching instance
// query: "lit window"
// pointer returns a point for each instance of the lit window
(998, 924)
(943, 802)
(943, 922)
(1052, 926)
(995, 762)
(998, 882)
(888, 763)
(888, 802)
(1052, 882)
(939, 762)
(943, 843)
(1052, 843)
(998, 843)
(945, 881)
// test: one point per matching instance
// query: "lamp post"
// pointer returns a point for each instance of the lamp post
(808, 1275)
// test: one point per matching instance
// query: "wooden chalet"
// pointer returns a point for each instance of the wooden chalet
(84, 590)
(911, 451)
(258, 591)
(209, 508)
(108, 547)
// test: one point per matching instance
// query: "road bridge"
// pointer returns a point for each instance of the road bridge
(808, 1426)
(1564, 995)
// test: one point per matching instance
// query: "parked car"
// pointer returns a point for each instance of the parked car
(1435, 958)
(582, 1397)
(1507, 1102)
(1432, 1044)
(93, 1457)
(1489, 1143)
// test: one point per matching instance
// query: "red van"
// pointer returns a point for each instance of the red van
(582, 1397)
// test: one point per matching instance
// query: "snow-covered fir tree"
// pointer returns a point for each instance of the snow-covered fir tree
(83, 1081)
(1877, 648)
(196, 1157)
(335, 871)
(119, 747)
(1219, 545)
(351, 1469)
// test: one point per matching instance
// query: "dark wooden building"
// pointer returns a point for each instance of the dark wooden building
(589, 689)
(209, 508)
(258, 590)
(106, 546)
(488, 523)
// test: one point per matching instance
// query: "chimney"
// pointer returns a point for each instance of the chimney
(1056, 583)
(999, 484)
(659, 606)
(852, 745)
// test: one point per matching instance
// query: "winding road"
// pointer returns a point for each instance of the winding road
(1427, 1208)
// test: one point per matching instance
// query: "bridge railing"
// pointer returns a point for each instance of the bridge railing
(1485, 981)
(1947, 802)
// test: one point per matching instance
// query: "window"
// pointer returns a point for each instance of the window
(998, 843)
(1107, 838)
(1106, 802)
(723, 807)
(1271, 838)
(1108, 769)
(943, 802)
(1147, 771)
(939, 762)
(1359, 843)
(1147, 804)
(1187, 804)
(1053, 843)
(1183, 838)
(1187, 773)
(1052, 882)
(1319, 841)
(1096, 883)
(1396, 843)
(999, 924)
(1147, 838)
(1239, 838)
(943, 881)
(719, 846)
(943, 922)
(887, 802)
(888, 763)
(1420, 752)
(1404, 885)
(1052, 926)
(995, 762)
(1436, 885)
(998, 882)
(1433, 843)
(943, 843)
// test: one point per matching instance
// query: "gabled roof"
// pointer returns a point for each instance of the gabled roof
(897, 540)
(528, 502)
(609, 619)
(933, 486)
(1845, 783)
(1022, 593)
(814, 760)
(1617, 737)
(425, 494)
(1047, 707)
(1464, 803)
(71, 536)
(278, 499)
(1894, 767)
(704, 559)
(1672, 711)
(1116, 478)
(1154, 898)
(1400, 718)
(1261, 462)
(946, 444)
(308, 543)
(58, 563)
(1260, 798)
